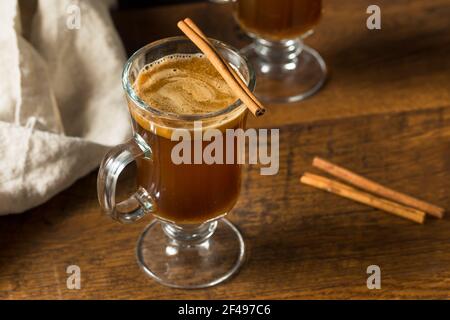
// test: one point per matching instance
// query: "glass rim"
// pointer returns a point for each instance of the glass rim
(128, 87)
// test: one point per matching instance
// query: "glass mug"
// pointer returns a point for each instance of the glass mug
(287, 69)
(190, 244)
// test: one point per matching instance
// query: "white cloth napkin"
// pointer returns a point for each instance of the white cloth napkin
(61, 101)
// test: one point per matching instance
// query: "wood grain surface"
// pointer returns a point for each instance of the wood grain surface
(384, 113)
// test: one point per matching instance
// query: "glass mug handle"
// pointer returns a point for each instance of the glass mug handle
(140, 203)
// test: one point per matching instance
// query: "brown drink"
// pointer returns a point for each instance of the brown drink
(278, 19)
(185, 85)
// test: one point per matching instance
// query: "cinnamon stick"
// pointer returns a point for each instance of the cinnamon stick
(242, 84)
(362, 197)
(377, 188)
(231, 78)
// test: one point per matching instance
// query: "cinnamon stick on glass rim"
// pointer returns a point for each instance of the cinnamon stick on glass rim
(243, 85)
(377, 188)
(233, 80)
(348, 192)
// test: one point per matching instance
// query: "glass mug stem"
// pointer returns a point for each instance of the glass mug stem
(278, 52)
(140, 203)
(189, 234)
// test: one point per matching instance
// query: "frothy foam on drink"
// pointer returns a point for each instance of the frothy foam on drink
(183, 84)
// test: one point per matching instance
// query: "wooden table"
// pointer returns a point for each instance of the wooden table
(385, 112)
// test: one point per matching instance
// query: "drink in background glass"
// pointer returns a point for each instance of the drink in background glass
(287, 69)
(278, 20)
(170, 86)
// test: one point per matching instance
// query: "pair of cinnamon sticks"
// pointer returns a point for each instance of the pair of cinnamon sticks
(376, 195)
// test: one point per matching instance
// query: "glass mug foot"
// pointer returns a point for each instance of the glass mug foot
(190, 257)
(287, 71)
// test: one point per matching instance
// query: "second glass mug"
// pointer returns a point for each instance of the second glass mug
(287, 69)
(190, 244)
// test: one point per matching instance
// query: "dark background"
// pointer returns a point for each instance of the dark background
(132, 4)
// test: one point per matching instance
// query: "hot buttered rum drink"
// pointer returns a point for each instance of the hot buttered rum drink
(185, 86)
